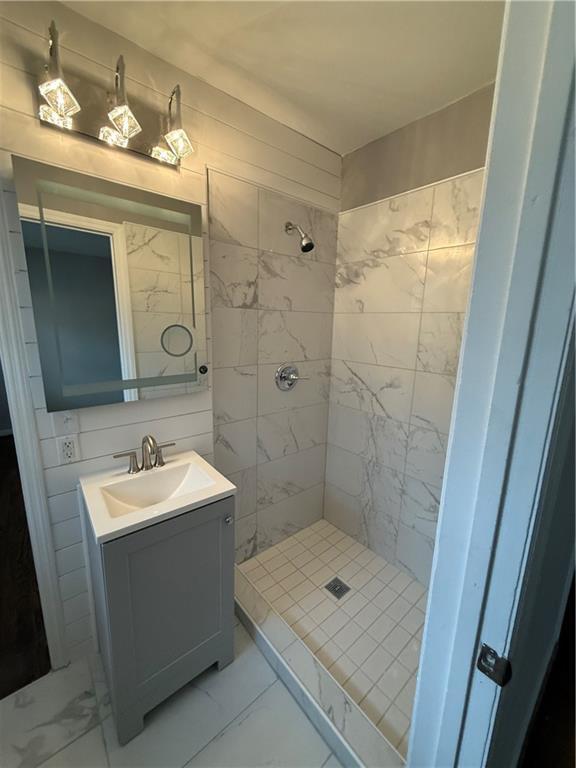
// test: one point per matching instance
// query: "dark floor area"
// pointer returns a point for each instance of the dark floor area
(23, 648)
(550, 740)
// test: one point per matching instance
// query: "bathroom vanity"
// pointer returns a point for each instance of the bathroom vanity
(161, 559)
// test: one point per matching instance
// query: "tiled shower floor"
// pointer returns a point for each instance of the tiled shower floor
(369, 640)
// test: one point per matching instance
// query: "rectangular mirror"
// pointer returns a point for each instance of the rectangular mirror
(117, 283)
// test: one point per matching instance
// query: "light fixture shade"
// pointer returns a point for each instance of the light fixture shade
(112, 137)
(177, 138)
(164, 155)
(179, 142)
(122, 117)
(49, 115)
(124, 121)
(54, 89)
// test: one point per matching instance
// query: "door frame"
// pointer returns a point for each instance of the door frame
(22, 416)
(475, 585)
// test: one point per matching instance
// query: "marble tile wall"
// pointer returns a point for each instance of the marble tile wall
(271, 304)
(402, 278)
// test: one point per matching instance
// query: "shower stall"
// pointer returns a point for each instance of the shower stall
(340, 474)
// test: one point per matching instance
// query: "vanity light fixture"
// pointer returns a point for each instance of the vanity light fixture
(122, 116)
(53, 89)
(164, 155)
(49, 115)
(177, 138)
(112, 137)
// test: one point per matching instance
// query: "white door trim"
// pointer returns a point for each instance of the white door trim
(531, 102)
(20, 404)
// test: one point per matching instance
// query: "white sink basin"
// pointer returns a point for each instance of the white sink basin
(118, 503)
(153, 487)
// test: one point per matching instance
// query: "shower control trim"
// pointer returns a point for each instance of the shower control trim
(287, 376)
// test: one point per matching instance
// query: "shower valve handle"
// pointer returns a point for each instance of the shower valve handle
(287, 376)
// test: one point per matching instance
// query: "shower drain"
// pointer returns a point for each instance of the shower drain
(337, 588)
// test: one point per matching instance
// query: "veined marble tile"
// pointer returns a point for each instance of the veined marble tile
(375, 284)
(295, 283)
(293, 336)
(152, 248)
(390, 227)
(245, 542)
(275, 210)
(281, 434)
(264, 735)
(234, 337)
(344, 511)
(245, 482)
(448, 277)
(372, 388)
(45, 716)
(439, 342)
(313, 391)
(287, 517)
(367, 435)
(235, 446)
(426, 455)
(348, 719)
(456, 210)
(233, 276)
(235, 393)
(187, 721)
(154, 291)
(233, 210)
(420, 503)
(379, 493)
(432, 406)
(261, 612)
(290, 475)
(415, 552)
(380, 339)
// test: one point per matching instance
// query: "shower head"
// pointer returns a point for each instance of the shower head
(306, 242)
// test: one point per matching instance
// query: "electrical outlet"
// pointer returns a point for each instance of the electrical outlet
(68, 449)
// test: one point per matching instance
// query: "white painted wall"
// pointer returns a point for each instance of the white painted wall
(228, 136)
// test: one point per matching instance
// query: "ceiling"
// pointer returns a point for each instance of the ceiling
(342, 73)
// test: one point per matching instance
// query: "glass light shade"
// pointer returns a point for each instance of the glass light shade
(124, 121)
(179, 142)
(59, 97)
(112, 137)
(48, 115)
(164, 155)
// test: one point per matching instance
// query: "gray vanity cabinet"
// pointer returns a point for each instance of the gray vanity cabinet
(164, 601)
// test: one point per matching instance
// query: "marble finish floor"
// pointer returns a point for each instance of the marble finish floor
(242, 716)
(369, 639)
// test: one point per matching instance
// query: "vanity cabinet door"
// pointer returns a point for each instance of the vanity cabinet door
(169, 591)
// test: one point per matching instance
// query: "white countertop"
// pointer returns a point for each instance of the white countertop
(107, 527)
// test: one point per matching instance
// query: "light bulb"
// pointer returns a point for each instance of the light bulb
(179, 143)
(112, 137)
(59, 97)
(48, 115)
(124, 121)
(164, 155)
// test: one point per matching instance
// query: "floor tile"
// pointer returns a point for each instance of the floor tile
(377, 663)
(396, 640)
(361, 649)
(86, 752)
(357, 685)
(272, 731)
(185, 723)
(47, 715)
(393, 680)
(413, 620)
(374, 704)
(347, 635)
(394, 725)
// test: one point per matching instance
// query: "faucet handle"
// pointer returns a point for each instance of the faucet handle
(133, 456)
(159, 457)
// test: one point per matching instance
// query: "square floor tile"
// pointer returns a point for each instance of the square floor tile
(373, 588)
(348, 635)
(398, 609)
(368, 615)
(328, 653)
(413, 620)
(361, 649)
(357, 685)
(381, 627)
(377, 663)
(393, 680)
(335, 622)
(396, 640)
(342, 668)
(353, 602)
(394, 725)
(374, 704)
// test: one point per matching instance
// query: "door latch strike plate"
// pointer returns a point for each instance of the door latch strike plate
(497, 668)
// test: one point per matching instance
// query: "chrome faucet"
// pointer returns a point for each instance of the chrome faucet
(149, 452)
(151, 455)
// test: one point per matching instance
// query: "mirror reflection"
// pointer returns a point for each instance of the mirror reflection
(117, 284)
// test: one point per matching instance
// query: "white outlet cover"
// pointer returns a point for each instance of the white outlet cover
(68, 451)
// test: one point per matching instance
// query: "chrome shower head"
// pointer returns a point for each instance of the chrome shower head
(306, 242)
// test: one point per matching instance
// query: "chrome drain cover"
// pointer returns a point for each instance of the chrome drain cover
(337, 588)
